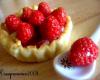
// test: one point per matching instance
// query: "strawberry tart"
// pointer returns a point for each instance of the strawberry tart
(36, 33)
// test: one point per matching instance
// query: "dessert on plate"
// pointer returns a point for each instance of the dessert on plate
(36, 33)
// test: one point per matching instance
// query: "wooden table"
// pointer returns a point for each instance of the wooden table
(85, 15)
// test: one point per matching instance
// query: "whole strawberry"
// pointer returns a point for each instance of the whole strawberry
(50, 29)
(26, 14)
(83, 52)
(60, 14)
(12, 22)
(25, 33)
(36, 18)
(44, 8)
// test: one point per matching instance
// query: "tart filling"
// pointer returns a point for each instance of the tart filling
(31, 53)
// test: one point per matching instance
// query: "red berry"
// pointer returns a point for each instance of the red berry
(50, 29)
(60, 14)
(83, 52)
(44, 8)
(25, 33)
(36, 18)
(26, 13)
(12, 22)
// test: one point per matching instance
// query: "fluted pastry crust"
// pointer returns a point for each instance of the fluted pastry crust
(31, 53)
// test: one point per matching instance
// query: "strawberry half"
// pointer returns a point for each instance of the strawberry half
(60, 15)
(26, 14)
(50, 29)
(12, 22)
(44, 8)
(36, 18)
(25, 33)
